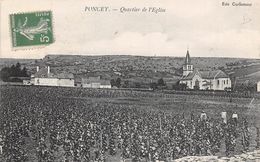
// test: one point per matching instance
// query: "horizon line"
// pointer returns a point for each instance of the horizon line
(133, 55)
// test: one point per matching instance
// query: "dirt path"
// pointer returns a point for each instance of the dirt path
(245, 157)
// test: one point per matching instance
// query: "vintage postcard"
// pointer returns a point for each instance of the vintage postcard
(121, 81)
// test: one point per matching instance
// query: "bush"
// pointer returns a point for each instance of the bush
(7, 73)
(179, 86)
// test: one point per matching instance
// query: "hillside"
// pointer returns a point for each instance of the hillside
(138, 68)
(10, 61)
(245, 74)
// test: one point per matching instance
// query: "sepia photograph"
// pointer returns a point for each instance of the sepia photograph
(129, 81)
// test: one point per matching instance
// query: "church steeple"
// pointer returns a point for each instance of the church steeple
(187, 59)
(187, 67)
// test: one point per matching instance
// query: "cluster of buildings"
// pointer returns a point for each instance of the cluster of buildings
(191, 77)
(44, 77)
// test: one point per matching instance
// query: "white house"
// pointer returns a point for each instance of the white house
(105, 84)
(95, 82)
(44, 77)
(205, 80)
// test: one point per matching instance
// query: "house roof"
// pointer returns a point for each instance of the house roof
(43, 73)
(90, 80)
(65, 76)
(95, 80)
(105, 82)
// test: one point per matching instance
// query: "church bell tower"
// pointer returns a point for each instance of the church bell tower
(187, 67)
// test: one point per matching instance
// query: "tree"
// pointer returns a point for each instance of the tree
(126, 84)
(137, 85)
(5, 73)
(24, 72)
(118, 82)
(179, 86)
(18, 66)
(113, 82)
(14, 71)
(153, 85)
(161, 82)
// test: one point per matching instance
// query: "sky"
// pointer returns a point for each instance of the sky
(205, 27)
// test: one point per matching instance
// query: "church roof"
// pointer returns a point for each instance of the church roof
(191, 75)
(187, 59)
(213, 74)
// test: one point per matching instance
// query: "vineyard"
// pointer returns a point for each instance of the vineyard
(78, 124)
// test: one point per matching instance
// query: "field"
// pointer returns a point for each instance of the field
(54, 123)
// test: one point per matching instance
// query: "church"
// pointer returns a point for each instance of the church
(203, 80)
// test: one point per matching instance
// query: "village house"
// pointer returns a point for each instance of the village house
(44, 77)
(203, 80)
(95, 82)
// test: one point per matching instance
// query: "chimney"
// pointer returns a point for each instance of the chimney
(37, 68)
(48, 69)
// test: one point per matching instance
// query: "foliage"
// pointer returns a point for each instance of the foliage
(118, 82)
(112, 82)
(159, 85)
(12, 74)
(126, 84)
(153, 85)
(137, 85)
(179, 86)
(115, 83)
(196, 87)
(161, 82)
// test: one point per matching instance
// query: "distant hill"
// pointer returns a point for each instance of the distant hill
(139, 68)
(10, 61)
(246, 75)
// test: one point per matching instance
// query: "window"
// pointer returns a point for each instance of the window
(218, 82)
(227, 81)
(224, 82)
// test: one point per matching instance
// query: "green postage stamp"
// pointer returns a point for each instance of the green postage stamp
(31, 29)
